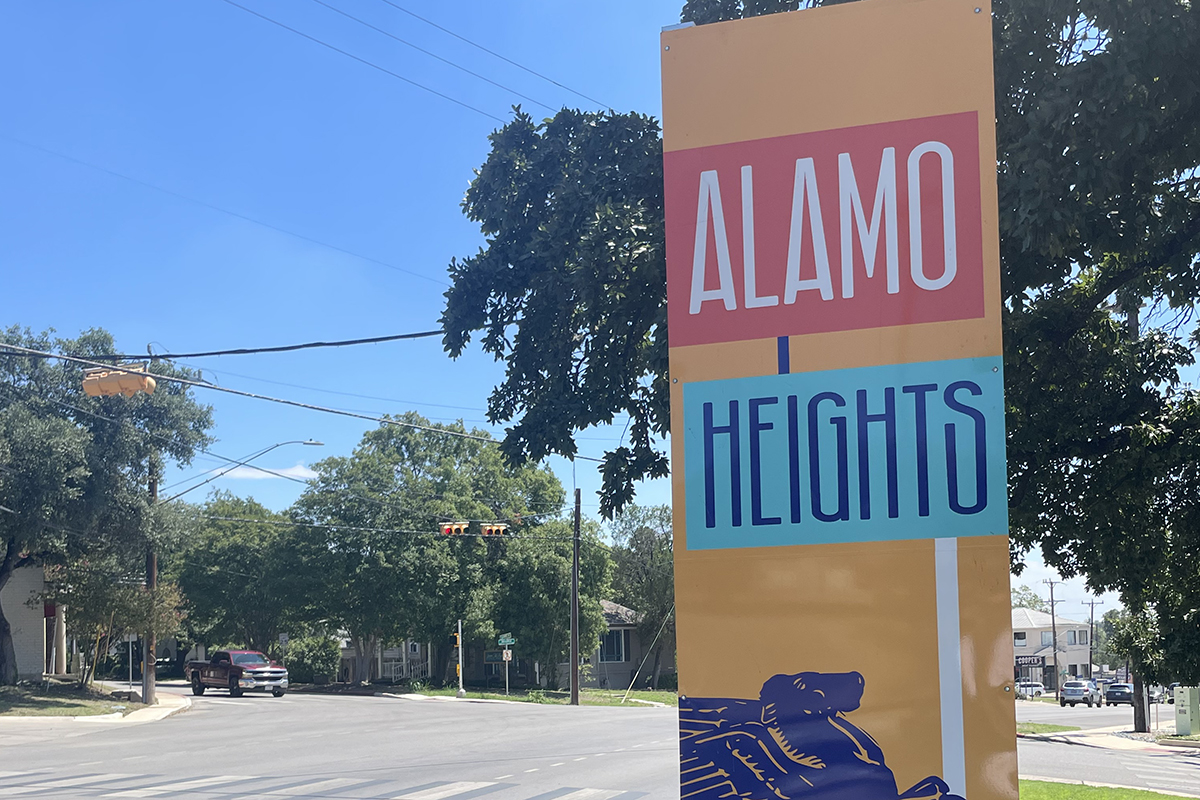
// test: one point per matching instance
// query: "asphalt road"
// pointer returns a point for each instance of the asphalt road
(1084, 717)
(314, 746)
(1172, 772)
(308, 746)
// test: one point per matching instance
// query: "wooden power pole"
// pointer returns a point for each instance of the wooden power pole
(575, 609)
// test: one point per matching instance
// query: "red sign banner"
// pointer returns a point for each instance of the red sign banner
(864, 227)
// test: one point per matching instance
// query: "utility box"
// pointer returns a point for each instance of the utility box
(1187, 710)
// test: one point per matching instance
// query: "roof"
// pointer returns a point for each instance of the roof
(1028, 618)
(617, 615)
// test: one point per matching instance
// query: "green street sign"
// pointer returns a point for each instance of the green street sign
(506, 639)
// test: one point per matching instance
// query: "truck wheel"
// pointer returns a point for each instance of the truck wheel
(234, 689)
(197, 686)
(277, 692)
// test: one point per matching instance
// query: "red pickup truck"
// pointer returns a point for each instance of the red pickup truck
(238, 671)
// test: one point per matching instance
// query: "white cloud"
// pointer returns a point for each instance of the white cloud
(250, 473)
(1069, 594)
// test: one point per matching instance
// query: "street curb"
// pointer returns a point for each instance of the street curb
(1099, 785)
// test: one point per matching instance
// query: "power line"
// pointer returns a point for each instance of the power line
(244, 351)
(495, 54)
(361, 60)
(435, 55)
(365, 529)
(213, 207)
(268, 398)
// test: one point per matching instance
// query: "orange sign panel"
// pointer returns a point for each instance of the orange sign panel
(837, 404)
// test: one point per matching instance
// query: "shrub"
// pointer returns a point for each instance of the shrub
(308, 656)
(669, 681)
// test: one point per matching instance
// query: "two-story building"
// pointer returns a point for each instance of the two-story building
(1035, 656)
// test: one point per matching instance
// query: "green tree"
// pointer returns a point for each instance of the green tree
(644, 575)
(1024, 597)
(368, 543)
(238, 576)
(532, 593)
(1098, 119)
(74, 469)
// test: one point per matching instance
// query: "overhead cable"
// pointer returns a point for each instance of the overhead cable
(362, 60)
(435, 55)
(268, 398)
(211, 206)
(478, 46)
(245, 351)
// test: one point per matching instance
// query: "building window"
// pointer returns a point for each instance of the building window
(1047, 638)
(414, 648)
(1070, 637)
(1083, 637)
(1018, 638)
(1073, 670)
(614, 646)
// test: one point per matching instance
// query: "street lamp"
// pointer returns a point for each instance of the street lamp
(259, 454)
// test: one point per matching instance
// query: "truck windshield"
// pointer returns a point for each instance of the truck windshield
(249, 658)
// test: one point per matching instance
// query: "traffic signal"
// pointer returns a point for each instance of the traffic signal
(129, 380)
(454, 528)
(495, 529)
(457, 639)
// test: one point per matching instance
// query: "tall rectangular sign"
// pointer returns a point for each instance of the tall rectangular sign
(841, 521)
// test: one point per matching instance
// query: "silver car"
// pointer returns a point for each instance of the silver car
(1075, 692)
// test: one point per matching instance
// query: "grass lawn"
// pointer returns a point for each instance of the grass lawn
(1041, 790)
(587, 697)
(59, 701)
(1042, 727)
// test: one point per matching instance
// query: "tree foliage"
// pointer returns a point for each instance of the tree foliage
(644, 576)
(1024, 597)
(1098, 128)
(74, 469)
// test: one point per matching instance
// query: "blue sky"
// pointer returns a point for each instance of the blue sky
(211, 103)
(214, 104)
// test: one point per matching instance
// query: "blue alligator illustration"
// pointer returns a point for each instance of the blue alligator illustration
(793, 743)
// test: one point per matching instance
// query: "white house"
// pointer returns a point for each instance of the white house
(1035, 655)
(28, 621)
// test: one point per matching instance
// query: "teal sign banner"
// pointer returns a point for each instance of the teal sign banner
(900, 451)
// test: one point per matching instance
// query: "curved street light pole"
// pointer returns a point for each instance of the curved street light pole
(259, 454)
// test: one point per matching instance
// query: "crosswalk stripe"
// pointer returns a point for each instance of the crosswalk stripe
(445, 790)
(63, 783)
(315, 786)
(591, 794)
(168, 788)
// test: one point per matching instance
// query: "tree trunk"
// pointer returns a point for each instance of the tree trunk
(442, 664)
(364, 653)
(1140, 723)
(657, 668)
(8, 653)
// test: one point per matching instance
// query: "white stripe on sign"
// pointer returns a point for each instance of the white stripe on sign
(315, 786)
(954, 757)
(63, 783)
(590, 794)
(445, 790)
(179, 786)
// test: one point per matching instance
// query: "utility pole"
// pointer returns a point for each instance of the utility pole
(575, 609)
(461, 691)
(1053, 630)
(150, 645)
(1091, 630)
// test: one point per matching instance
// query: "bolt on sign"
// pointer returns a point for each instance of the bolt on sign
(840, 480)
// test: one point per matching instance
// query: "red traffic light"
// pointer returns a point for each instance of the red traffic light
(453, 528)
(495, 529)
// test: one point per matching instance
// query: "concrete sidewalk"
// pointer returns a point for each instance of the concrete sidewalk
(1107, 739)
(169, 704)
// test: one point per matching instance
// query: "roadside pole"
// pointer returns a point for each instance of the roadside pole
(461, 692)
(507, 658)
(575, 610)
(150, 646)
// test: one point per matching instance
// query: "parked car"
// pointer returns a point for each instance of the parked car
(238, 671)
(1156, 694)
(1030, 689)
(1171, 692)
(1075, 692)
(1118, 693)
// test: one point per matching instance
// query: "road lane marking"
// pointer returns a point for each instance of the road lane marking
(591, 794)
(559, 764)
(502, 777)
(315, 786)
(581, 758)
(168, 788)
(64, 783)
(445, 790)
(535, 769)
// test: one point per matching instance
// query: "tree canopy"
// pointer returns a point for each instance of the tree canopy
(1098, 128)
(74, 469)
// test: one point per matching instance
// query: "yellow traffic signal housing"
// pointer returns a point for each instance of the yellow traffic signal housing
(495, 529)
(457, 640)
(129, 380)
(454, 528)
